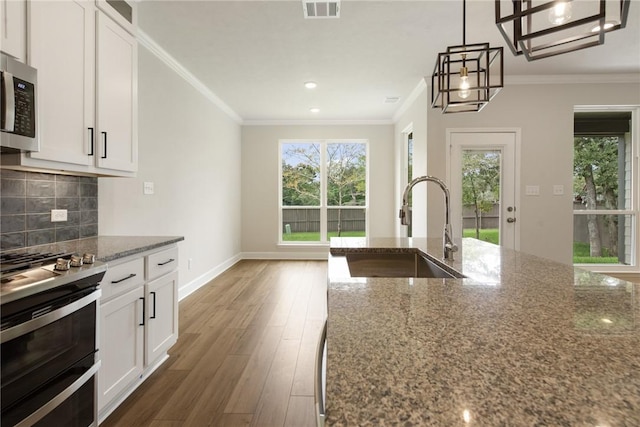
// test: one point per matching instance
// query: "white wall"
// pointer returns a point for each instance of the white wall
(260, 184)
(544, 113)
(415, 116)
(190, 150)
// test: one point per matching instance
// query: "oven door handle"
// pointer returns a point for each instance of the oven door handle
(39, 322)
(45, 409)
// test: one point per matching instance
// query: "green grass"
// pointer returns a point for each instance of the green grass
(490, 235)
(581, 255)
(315, 236)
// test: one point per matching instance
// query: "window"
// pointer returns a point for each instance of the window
(323, 190)
(605, 189)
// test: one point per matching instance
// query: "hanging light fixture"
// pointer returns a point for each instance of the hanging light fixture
(539, 29)
(466, 77)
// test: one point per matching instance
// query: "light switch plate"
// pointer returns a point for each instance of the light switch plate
(532, 190)
(147, 188)
(558, 190)
(58, 215)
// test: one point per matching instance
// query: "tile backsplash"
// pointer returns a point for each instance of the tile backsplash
(27, 199)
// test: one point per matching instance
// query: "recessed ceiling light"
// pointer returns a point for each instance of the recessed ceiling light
(311, 85)
(314, 110)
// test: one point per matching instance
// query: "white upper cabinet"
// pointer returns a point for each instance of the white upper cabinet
(13, 26)
(117, 109)
(87, 90)
(62, 49)
(124, 12)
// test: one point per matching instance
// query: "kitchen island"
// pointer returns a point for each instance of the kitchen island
(520, 341)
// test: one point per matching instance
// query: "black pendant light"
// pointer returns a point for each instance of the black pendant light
(539, 29)
(466, 77)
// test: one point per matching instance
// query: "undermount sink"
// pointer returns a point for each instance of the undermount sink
(396, 264)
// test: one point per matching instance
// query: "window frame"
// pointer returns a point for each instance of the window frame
(634, 210)
(323, 189)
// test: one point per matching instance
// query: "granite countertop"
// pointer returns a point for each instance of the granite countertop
(521, 341)
(109, 248)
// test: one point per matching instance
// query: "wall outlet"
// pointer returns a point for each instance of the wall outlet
(558, 190)
(147, 188)
(532, 190)
(58, 215)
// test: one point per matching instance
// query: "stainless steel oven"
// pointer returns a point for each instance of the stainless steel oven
(49, 346)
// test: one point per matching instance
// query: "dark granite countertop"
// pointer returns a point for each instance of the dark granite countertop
(109, 248)
(522, 341)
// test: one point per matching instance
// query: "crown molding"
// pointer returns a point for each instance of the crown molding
(153, 47)
(565, 79)
(415, 93)
(317, 122)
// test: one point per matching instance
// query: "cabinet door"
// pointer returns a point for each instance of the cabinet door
(61, 47)
(162, 313)
(13, 25)
(117, 109)
(121, 344)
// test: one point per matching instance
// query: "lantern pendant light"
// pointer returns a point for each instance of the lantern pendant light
(540, 29)
(466, 77)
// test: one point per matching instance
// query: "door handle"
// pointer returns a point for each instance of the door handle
(511, 220)
(154, 305)
(143, 312)
(104, 136)
(91, 143)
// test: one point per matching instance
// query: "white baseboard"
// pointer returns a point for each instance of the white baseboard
(205, 278)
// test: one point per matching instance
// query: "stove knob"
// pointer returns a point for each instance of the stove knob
(62, 264)
(76, 261)
(88, 258)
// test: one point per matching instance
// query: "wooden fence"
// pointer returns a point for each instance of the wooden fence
(308, 219)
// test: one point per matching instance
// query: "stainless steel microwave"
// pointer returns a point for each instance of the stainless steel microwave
(19, 118)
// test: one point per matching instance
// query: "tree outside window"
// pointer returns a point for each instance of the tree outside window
(605, 180)
(323, 190)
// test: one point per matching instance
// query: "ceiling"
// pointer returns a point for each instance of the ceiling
(256, 55)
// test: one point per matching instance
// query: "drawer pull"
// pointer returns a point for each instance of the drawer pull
(124, 278)
(166, 262)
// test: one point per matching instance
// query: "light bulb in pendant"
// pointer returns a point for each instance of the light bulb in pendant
(464, 91)
(560, 13)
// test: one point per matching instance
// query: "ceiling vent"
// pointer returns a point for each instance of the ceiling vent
(391, 99)
(321, 9)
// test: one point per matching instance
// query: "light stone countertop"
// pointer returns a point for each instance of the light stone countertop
(107, 248)
(521, 341)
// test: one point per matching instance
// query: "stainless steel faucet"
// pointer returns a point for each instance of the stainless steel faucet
(448, 247)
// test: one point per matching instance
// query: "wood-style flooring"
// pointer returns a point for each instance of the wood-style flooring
(245, 355)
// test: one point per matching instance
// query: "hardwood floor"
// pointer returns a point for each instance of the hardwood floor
(245, 355)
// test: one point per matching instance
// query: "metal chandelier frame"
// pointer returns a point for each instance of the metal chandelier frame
(525, 34)
(480, 64)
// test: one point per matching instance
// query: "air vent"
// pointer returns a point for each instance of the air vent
(321, 9)
(391, 99)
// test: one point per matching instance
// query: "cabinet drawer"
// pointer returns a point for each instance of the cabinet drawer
(162, 262)
(122, 277)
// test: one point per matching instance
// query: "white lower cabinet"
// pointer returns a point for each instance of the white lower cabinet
(162, 306)
(138, 322)
(121, 344)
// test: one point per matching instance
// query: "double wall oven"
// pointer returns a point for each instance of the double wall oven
(49, 310)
